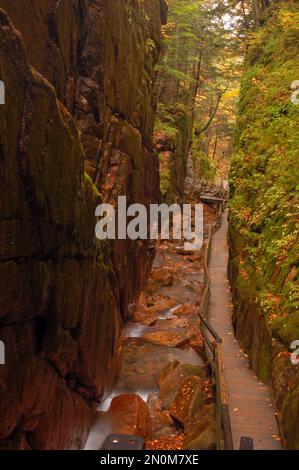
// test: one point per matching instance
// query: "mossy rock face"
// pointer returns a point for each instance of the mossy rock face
(200, 430)
(173, 377)
(287, 329)
(172, 142)
(63, 294)
(290, 419)
(205, 441)
(263, 208)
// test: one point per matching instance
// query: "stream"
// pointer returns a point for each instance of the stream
(165, 327)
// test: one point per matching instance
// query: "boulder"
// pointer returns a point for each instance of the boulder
(144, 315)
(162, 423)
(189, 399)
(167, 369)
(162, 277)
(167, 338)
(173, 378)
(130, 415)
(186, 309)
(200, 430)
(204, 441)
(174, 442)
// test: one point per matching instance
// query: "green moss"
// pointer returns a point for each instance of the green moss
(286, 329)
(150, 46)
(169, 130)
(207, 166)
(264, 203)
(173, 131)
(290, 416)
(90, 183)
(265, 172)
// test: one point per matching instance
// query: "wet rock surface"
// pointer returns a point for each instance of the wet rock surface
(162, 360)
(129, 415)
(142, 362)
(189, 398)
(162, 423)
(72, 133)
(200, 429)
(171, 382)
(162, 277)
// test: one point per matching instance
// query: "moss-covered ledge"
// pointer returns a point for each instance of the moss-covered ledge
(264, 203)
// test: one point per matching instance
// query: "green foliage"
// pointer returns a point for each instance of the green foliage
(205, 165)
(90, 183)
(150, 46)
(165, 121)
(265, 173)
(176, 74)
(199, 78)
(165, 181)
(168, 118)
(173, 129)
(165, 128)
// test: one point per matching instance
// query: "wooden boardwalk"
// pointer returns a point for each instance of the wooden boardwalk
(250, 406)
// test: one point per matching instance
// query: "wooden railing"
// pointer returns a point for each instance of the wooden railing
(214, 351)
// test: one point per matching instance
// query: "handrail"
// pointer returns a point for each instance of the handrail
(210, 329)
(213, 344)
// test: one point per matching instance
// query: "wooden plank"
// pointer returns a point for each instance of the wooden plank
(248, 402)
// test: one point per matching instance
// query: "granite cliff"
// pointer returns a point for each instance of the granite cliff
(76, 130)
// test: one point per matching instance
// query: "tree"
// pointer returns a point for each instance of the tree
(201, 65)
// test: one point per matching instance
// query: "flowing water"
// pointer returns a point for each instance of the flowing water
(147, 349)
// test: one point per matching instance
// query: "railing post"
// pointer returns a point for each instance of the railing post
(246, 443)
(2, 353)
(2, 92)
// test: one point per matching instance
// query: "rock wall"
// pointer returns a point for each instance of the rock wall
(264, 213)
(173, 144)
(76, 130)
